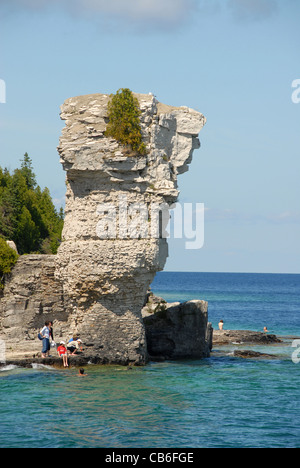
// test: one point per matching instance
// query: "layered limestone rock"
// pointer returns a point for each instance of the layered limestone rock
(177, 331)
(112, 242)
(31, 296)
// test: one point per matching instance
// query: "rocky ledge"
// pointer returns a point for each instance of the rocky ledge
(56, 362)
(225, 337)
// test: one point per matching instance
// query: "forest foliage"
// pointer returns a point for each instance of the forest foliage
(27, 213)
(8, 258)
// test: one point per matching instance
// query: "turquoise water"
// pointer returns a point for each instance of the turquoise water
(217, 402)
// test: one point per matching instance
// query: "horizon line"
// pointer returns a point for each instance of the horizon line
(230, 272)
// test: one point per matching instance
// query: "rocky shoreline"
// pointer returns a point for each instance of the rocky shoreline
(56, 362)
(173, 331)
(220, 338)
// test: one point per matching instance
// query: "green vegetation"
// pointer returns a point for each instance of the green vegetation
(27, 214)
(8, 258)
(124, 123)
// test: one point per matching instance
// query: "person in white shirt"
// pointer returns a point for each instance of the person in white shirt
(45, 334)
(74, 346)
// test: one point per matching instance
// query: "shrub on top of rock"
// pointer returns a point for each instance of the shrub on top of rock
(124, 123)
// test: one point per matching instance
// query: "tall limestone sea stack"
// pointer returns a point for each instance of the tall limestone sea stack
(112, 242)
(106, 273)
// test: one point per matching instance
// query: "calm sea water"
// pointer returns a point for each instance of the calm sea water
(222, 401)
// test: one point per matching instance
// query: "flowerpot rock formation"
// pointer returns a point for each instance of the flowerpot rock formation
(113, 242)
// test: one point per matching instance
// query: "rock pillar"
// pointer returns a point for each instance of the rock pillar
(112, 243)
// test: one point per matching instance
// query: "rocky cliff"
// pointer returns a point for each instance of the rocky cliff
(31, 296)
(113, 242)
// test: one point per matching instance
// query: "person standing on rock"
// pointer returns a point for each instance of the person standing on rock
(51, 330)
(51, 335)
(221, 325)
(45, 334)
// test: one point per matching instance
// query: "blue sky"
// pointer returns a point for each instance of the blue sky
(233, 60)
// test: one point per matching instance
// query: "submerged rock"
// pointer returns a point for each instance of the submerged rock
(248, 354)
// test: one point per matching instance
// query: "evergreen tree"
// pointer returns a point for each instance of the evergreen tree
(27, 214)
(27, 236)
(27, 171)
(124, 120)
(6, 205)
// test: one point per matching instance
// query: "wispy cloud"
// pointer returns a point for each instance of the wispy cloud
(148, 14)
(238, 217)
(286, 217)
(163, 13)
(252, 10)
(165, 10)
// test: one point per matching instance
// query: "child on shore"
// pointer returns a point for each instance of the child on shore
(62, 352)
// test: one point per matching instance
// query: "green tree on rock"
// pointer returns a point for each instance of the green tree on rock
(124, 120)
